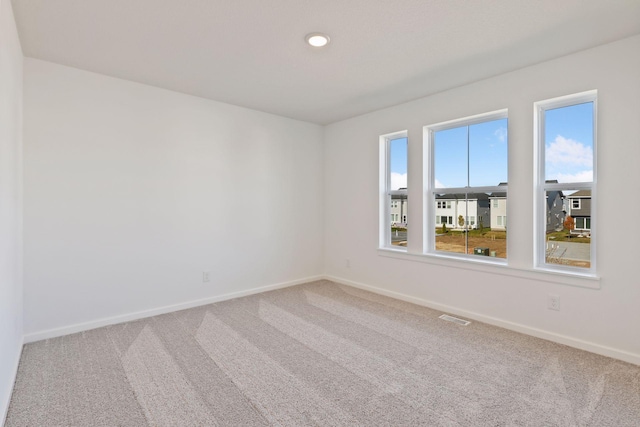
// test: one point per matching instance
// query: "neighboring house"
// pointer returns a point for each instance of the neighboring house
(398, 209)
(579, 205)
(556, 209)
(498, 202)
(474, 209)
(554, 205)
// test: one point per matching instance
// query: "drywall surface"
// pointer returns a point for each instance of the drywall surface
(607, 317)
(10, 203)
(132, 192)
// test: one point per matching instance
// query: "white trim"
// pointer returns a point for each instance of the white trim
(428, 199)
(80, 327)
(469, 120)
(517, 327)
(5, 409)
(430, 191)
(575, 199)
(497, 266)
(541, 186)
(384, 223)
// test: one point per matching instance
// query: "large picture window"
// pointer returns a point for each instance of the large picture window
(393, 190)
(466, 179)
(565, 181)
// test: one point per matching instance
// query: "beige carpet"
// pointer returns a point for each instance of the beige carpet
(317, 354)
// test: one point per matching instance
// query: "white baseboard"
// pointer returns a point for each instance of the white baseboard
(4, 409)
(539, 333)
(80, 327)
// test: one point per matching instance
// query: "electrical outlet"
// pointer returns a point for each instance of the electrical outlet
(205, 276)
(553, 302)
(347, 263)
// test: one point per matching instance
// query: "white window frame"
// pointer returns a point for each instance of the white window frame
(384, 235)
(579, 204)
(541, 186)
(429, 132)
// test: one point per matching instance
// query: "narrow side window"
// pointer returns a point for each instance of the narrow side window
(393, 191)
(565, 179)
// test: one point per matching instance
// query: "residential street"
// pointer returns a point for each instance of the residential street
(576, 251)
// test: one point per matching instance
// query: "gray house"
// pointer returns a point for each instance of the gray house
(555, 206)
(556, 209)
(556, 213)
(579, 207)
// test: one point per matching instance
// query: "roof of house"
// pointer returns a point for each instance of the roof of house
(470, 196)
(579, 194)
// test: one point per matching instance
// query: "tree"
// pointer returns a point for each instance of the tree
(444, 227)
(460, 220)
(569, 223)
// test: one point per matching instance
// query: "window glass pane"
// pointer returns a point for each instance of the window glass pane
(568, 236)
(398, 181)
(568, 133)
(488, 153)
(399, 224)
(463, 234)
(398, 163)
(450, 152)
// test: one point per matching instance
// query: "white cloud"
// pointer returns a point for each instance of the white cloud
(398, 180)
(583, 176)
(501, 134)
(566, 151)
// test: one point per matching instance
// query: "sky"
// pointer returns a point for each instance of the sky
(483, 160)
(398, 162)
(569, 143)
(480, 162)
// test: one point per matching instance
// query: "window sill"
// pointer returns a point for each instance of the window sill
(394, 249)
(496, 266)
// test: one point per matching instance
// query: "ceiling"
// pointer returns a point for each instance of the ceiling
(252, 52)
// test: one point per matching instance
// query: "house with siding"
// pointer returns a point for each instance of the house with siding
(498, 203)
(473, 207)
(398, 209)
(579, 208)
(556, 209)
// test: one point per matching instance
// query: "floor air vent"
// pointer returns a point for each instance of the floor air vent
(454, 320)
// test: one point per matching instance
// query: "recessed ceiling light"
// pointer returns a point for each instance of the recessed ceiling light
(317, 39)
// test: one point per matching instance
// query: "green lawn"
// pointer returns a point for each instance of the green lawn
(565, 236)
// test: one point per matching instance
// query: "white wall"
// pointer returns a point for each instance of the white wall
(10, 203)
(131, 192)
(606, 319)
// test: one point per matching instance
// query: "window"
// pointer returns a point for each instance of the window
(566, 170)
(393, 190)
(582, 223)
(466, 163)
